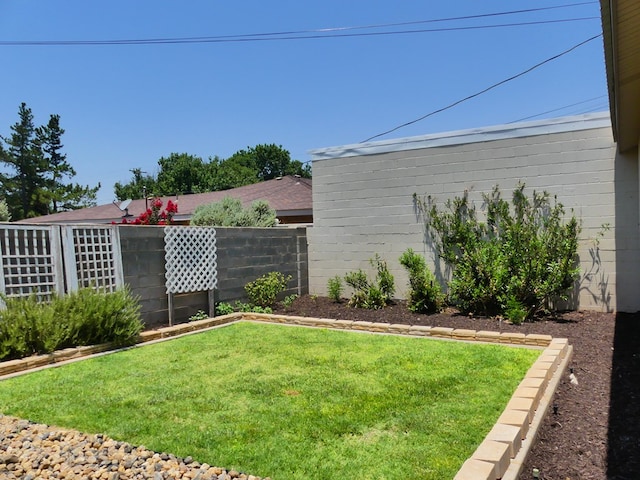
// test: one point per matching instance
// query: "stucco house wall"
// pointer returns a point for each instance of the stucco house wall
(363, 197)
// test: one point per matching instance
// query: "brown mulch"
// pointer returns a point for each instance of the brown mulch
(596, 431)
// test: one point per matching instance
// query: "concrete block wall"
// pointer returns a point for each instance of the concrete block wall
(363, 195)
(243, 255)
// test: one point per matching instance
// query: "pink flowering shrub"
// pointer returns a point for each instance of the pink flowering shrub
(155, 215)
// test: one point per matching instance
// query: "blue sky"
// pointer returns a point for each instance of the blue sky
(125, 106)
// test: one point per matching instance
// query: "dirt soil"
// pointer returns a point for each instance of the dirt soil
(595, 433)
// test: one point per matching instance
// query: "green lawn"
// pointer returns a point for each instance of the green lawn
(287, 402)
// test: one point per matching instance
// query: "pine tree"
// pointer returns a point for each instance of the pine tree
(61, 196)
(32, 180)
(22, 184)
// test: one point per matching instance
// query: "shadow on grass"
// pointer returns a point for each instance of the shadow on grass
(624, 409)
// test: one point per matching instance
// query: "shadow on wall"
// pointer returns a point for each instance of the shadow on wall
(594, 282)
(623, 450)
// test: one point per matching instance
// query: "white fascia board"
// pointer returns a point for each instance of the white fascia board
(459, 137)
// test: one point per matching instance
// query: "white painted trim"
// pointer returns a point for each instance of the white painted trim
(459, 137)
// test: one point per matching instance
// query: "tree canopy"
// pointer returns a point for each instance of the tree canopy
(182, 173)
(35, 175)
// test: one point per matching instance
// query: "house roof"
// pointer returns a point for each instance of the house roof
(288, 196)
(621, 35)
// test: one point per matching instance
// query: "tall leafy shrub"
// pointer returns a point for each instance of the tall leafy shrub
(521, 258)
(264, 290)
(425, 295)
(375, 293)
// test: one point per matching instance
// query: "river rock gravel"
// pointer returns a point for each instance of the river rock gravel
(30, 451)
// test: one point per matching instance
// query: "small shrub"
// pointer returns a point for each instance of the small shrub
(264, 291)
(372, 294)
(516, 311)
(289, 299)
(199, 315)
(223, 308)
(425, 295)
(334, 287)
(247, 307)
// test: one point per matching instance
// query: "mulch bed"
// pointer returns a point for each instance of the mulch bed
(596, 431)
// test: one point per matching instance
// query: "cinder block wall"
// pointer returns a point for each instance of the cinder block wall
(243, 255)
(363, 195)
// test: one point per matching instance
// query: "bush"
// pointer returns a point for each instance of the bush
(224, 308)
(289, 299)
(334, 287)
(85, 317)
(229, 212)
(524, 254)
(264, 291)
(372, 294)
(425, 295)
(247, 307)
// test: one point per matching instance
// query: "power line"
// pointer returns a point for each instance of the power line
(502, 82)
(316, 33)
(558, 109)
(166, 41)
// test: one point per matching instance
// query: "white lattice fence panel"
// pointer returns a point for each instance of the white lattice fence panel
(95, 253)
(190, 259)
(31, 263)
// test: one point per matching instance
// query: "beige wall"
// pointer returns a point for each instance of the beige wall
(362, 196)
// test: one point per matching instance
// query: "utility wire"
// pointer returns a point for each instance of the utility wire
(502, 82)
(166, 41)
(311, 34)
(558, 109)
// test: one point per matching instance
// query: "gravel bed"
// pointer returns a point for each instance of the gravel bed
(30, 451)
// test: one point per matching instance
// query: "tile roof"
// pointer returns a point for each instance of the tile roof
(288, 196)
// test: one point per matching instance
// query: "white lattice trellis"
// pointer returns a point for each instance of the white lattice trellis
(95, 252)
(190, 259)
(30, 261)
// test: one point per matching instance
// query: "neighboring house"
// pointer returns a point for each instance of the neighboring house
(289, 196)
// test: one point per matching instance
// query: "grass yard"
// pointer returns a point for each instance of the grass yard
(287, 402)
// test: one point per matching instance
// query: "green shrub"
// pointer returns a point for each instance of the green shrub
(85, 317)
(371, 294)
(247, 307)
(199, 315)
(425, 295)
(223, 308)
(516, 311)
(334, 287)
(289, 299)
(264, 291)
(229, 212)
(98, 317)
(525, 252)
